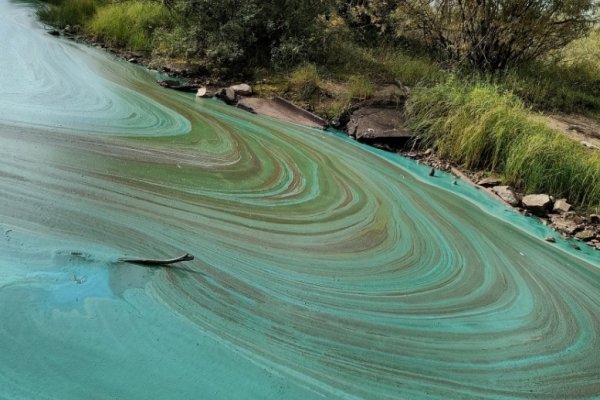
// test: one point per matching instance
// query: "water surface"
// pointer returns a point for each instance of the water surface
(324, 269)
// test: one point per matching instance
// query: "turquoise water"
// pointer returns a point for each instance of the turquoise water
(324, 269)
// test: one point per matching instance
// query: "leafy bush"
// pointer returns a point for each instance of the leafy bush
(493, 35)
(235, 36)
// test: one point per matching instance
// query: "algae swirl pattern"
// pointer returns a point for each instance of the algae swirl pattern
(323, 269)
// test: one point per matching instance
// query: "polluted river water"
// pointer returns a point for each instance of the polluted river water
(323, 269)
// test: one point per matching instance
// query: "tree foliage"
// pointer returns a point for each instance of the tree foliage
(234, 34)
(494, 34)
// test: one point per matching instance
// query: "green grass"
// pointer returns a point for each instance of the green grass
(60, 13)
(410, 69)
(479, 126)
(130, 24)
(305, 81)
(360, 87)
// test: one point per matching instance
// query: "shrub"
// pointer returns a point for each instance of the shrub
(492, 35)
(235, 36)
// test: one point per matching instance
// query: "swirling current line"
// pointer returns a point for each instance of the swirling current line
(324, 270)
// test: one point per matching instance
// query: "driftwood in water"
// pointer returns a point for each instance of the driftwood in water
(150, 261)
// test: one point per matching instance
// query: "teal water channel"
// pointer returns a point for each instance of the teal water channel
(324, 269)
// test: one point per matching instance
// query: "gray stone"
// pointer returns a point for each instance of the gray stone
(566, 225)
(280, 109)
(561, 206)
(537, 204)
(490, 181)
(550, 239)
(242, 89)
(372, 123)
(595, 219)
(586, 235)
(227, 95)
(205, 92)
(507, 194)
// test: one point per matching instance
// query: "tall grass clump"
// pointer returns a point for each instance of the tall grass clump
(61, 13)
(360, 87)
(130, 24)
(411, 69)
(305, 80)
(478, 126)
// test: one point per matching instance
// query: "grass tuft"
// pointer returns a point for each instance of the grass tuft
(360, 87)
(60, 13)
(305, 81)
(130, 24)
(479, 126)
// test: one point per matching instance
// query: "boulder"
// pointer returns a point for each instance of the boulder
(538, 204)
(586, 235)
(561, 206)
(242, 89)
(566, 225)
(205, 92)
(374, 123)
(507, 194)
(54, 32)
(490, 181)
(595, 219)
(177, 85)
(281, 109)
(227, 95)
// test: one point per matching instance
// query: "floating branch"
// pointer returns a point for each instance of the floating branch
(150, 261)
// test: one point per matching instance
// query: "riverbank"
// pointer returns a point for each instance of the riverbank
(370, 112)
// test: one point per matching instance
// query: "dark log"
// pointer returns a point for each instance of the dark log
(150, 261)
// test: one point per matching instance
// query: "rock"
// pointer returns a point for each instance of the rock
(573, 245)
(391, 93)
(205, 92)
(595, 219)
(53, 32)
(490, 181)
(586, 235)
(432, 172)
(507, 194)
(378, 123)
(242, 89)
(550, 239)
(561, 206)
(565, 225)
(537, 204)
(574, 217)
(177, 85)
(133, 60)
(227, 95)
(281, 109)
(428, 152)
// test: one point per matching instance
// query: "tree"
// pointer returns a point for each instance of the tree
(494, 34)
(233, 35)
